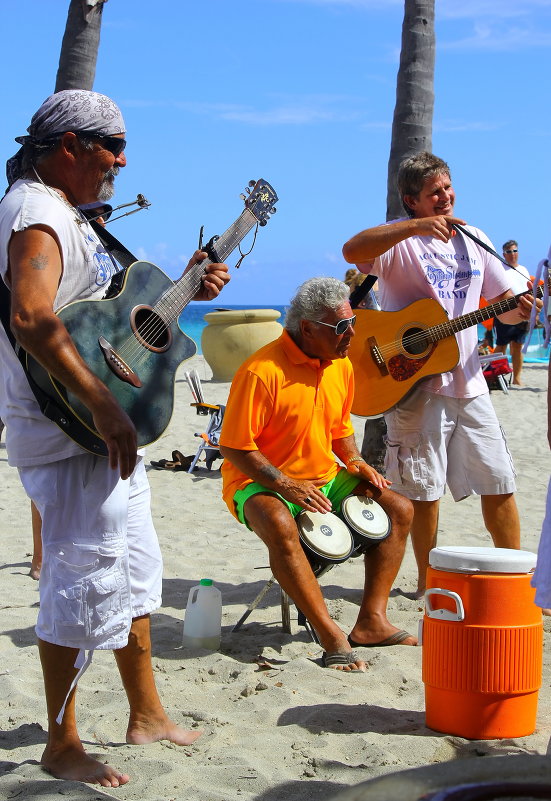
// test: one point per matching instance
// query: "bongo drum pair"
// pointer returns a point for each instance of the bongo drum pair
(329, 539)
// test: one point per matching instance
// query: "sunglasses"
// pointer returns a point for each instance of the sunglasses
(342, 326)
(111, 143)
(515, 250)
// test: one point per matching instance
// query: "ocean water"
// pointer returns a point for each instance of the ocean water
(192, 323)
(192, 319)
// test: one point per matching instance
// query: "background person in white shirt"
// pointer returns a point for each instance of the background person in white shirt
(514, 335)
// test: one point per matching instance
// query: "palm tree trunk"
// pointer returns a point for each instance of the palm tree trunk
(411, 133)
(79, 49)
(412, 123)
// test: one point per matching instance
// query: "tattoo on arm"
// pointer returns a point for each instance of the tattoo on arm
(39, 262)
(270, 472)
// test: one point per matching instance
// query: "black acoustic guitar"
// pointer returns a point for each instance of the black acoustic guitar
(133, 342)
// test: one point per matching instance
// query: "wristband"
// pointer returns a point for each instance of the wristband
(355, 459)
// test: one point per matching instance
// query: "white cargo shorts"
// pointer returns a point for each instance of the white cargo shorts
(102, 563)
(434, 440)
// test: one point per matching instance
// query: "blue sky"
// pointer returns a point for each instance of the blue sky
(301, 93)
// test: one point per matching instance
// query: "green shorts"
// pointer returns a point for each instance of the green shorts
(336, 490)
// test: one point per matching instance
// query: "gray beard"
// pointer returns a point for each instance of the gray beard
(107, 188)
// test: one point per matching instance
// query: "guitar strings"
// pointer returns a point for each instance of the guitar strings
(171, 304)
(397, 345)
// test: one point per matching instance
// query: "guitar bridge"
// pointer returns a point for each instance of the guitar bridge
(377, 356)
(117, 365)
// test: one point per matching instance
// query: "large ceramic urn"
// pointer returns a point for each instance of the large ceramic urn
(231, 336)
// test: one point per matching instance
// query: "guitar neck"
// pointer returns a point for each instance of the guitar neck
(443, 330)
(173, 302)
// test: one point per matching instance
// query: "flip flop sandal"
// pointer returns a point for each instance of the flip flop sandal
(395, 639)
(166, 464)
(183, 461)
(336, 659)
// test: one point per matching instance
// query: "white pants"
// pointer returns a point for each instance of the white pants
(102, 563)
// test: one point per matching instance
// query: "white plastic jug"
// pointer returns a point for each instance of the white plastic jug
(203, 620)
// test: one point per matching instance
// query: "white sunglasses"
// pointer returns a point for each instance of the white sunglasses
(341, 326)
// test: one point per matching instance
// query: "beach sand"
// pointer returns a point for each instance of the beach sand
(276, 725)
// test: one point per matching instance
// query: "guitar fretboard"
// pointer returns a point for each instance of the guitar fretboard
(173, 302)
(443, 330)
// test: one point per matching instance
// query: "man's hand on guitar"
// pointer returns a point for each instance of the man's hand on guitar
(438, 227)
(213, 281)
(526, 303)
(117, 430)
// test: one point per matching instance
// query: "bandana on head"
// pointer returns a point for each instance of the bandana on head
(69, 110)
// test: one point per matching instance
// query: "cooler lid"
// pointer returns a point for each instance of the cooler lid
(472, 559)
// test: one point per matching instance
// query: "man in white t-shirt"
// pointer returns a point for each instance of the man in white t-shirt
(445, 431)
(102, 568)
(514, 334)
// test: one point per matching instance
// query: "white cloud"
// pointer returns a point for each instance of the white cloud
(301, 110)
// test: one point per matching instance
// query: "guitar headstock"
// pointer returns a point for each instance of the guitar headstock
(260, 198)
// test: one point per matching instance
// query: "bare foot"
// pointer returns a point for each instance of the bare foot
(34, 572)
(412, 596)
(74, 764)
(151, 731)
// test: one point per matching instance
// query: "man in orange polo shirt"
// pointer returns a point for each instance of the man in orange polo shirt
(287, 418)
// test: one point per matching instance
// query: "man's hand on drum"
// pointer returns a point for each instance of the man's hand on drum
(365, 471)
(305, 494)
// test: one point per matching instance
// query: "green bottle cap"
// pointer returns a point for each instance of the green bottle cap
(206, 582)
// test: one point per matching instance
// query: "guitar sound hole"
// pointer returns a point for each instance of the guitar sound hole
(414, 342)
(150, 329)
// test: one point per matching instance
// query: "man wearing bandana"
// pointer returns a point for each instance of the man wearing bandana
(102, 567)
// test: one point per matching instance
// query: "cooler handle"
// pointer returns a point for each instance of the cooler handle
(444, 614)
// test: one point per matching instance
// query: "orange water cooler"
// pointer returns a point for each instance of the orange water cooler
(482, 643)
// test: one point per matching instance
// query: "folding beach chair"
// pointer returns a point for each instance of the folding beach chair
(210, 437)
(496, 371)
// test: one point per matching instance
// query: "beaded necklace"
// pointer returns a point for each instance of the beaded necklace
(79, 216)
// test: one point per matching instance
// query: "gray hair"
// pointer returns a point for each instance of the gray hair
(414, 171)
(313, 299)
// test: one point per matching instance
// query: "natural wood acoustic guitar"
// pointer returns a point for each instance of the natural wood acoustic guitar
(392, 351)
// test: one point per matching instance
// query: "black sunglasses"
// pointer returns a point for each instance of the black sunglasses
(111, 143)
(515, 250)
(342, 326)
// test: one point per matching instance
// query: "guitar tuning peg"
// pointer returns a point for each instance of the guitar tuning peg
(252, 183)
(273, 210)
(243, 196)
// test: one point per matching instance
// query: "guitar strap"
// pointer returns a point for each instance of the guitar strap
(482, 244)
(358, 294)
(118, 251)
